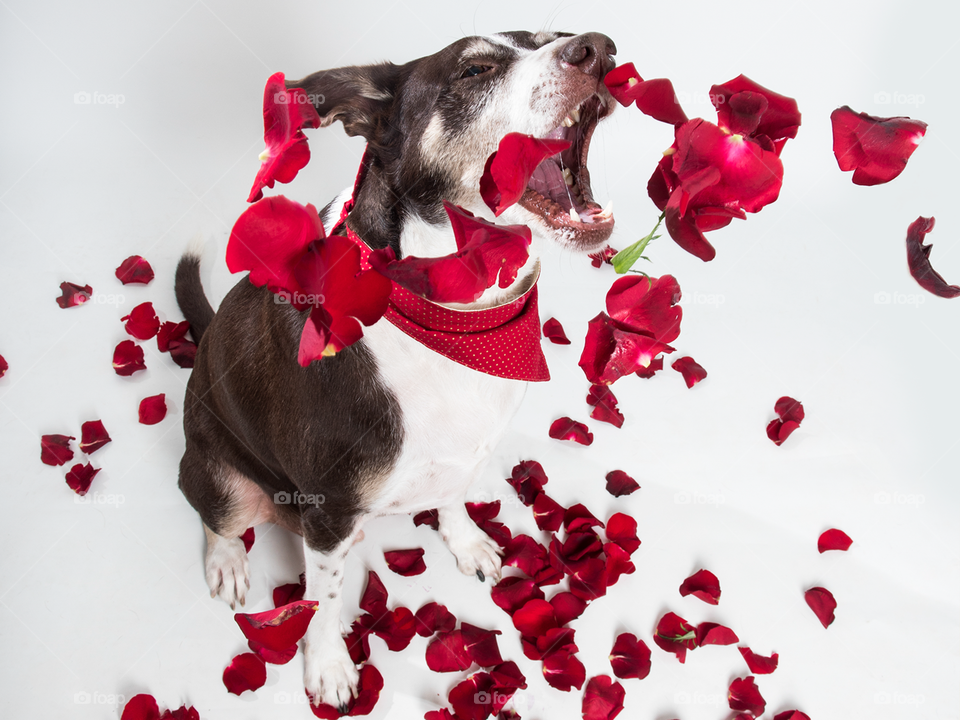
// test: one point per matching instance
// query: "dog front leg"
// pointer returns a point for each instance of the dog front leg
(476, 552)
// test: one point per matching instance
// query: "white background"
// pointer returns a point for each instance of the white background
(108, 598)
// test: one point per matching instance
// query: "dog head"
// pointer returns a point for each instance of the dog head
(432, 123)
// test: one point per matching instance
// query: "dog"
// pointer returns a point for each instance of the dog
(386, 425)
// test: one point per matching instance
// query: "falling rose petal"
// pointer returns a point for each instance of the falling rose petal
(675, 635)
(535, 618)
(358, 640)
(181, 713)
(833, 539)
(563, 671)
(702, 584)
(441, 714)
(600, 257)
(72, 294)
(134, 270)
(566, 429)
(374, 598)
(280, 628)
(610, 352)
(171, 332)
(508, 170)
(876, 149)
(249, 537)
(447, 653)
(481, 645)
(777, 117)
(482, 514)
(618, 563)
(789, 409)
(369, 686)
(691, 370)
(578, 545)
(552, 641)
(507, 676)
(822, 602)
(80, 477)
(918, 259)
(620, 484)
(153, 409)
(3, 366)
(55, 449)
(93, 436)
(603, 699)
(142, 322)
(128, 358)
(567, 607)
(744, 695)
(433, 618)
(528, 479)
(141, 707)
(406, 562)
(758, 664)
(291, 592)
(245, 672)
(647, 305)
(512, 593)
(273, 657)
(630, 658)
(714, 634)
(553, 331)
(791, 715)
(655, 98)
(547, 513)
(429, 518)
(779, 431)
(604, 405)
(622, 530)
(655, 366)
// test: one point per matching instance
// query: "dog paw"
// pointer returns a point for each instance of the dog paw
(228, 571)
(476, 552)
(329, 675)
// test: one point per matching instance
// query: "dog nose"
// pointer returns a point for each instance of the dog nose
(590, 53)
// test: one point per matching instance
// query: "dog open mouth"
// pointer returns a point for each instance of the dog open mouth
(559, 189)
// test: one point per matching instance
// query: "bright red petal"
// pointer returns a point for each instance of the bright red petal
(55, 449)
(369, 686)
(280, 628)
(758, 664)
(291, 592)
(134, 270)
(789, 409)
(602, 256)
(446, 653)
(566, 429)
(603, 699)
(526, 554)
(142, 322)
(655, 366)
(93, 436)
(918, 259)
(72, 294)
(547, 513)
(702, 584)
(619, 483)
(620, 82)
(609, 352)
(406, 562)
(433, 618)
(589, 579)
(508, 170)
(691, 370)
(647, 305)
(833, 539)
(396, 628)
(655, 98)
(141, 707)
(249, 537)
(714, 634)
(153, 409)
(481, 645)
(3, 366)
(622, 530)
(876, 149)
(512, 593)
(822, 602)
(630, 658)
(128, 358)
(427, 517)
(778, 120)
(564, 671)
(604, 405)
(553, 331)
(676, 635)
(273, 657)
(744, 695)
(528, 479)
(535, 618)
(80, 477)
(245, 672)
(567, 607)
(618, 563)
(171, 332)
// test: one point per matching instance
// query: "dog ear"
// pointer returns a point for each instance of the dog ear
(361, 97)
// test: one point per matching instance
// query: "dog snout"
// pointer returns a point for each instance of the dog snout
(591, 53)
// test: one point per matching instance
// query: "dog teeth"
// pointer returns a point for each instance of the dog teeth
(567, 121)
(607, 212)
(567, 176)
(574, 216)
(575, 114)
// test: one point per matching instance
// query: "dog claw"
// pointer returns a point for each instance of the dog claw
(480, 575)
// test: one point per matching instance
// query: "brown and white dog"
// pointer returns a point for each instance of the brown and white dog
(386, 425)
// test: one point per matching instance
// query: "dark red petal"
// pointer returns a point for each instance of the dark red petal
(833, 539)
(528, 479)
(183, 352)
(291, 592)
(713, 634)
(508, 170)
(567, 607)
(526, 554)
(876, 149)
(791, 715)
(578, 518)
(128, 358)
(134, 270)
(822, 602)
(620, 82)
(245, 672)
(609, 352)
(481, 645)
(744, 695)
(358, 641)
(676, 635)
(249, 537)
(553, 331)
(618, 563)
(433, 618)
(548, 513)
(280, 628)
(619, 483)
(603, 699)
(80, 477)
(447, 653)
(563, 671)
(691, 370)
(55, 449)
(647, 305)
(702, 584)
(605, 405)
(171, 332)
(473, 698)
(630, 658)
(405, 562)
(72, 294)
(93, 436)
(758, 664)
(141, 707)
(369, 686)
(374, 598)
(918, 259)
(779, 120)
(396, 628)
(142, 322)
(3, 366)
(566, 429)
(427, 517)
(535, 618)
(789, 409)
(652, 369)
(589, 579)
(153, 409)
(512, 593)
(273, 657)
(602, 256)
(622, 530)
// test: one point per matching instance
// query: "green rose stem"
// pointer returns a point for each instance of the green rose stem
(625, 259)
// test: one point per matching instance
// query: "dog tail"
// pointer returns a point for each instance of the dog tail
(190, 296)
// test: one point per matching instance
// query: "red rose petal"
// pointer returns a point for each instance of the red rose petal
(482, 514)
(526, 554)
(822, 602)
(547, 513)
(3, 366)
(702, 584)
(80, 477)
(396, 628)
(589, 579)
(512, 593)
(245, 672)
(473, 698)
(610, 352)
(691, 370)
(55, 449)
(128, 358)
(655, 98)
(779, 431)
(918, 259)
(758, 664)
(622, 530)
(273, 657)
(285, 114)
(833, 539)
(374, 598)
(713, 634)
(72, 294)
(93, 436)
(630, 658)
(142, 322)
(652, 369)
(675, 635)
(618, 563)
(427, 517)
(744, 695)
(876, 149)
(600, 257)
(508, 170)
(141, 707)
(291, 592)
(564, 671)
(553, 331)
(778, 120)
(433, 618)
(789, 409)
(603, 699)
(791, 715)
(249, 537)
(528, 479)
(647, 305)
(447, 653)
(153, 409)
(170, 332)
(567, 607)
(577, 518)
(406, 562)
(605, 405)
(619, 483)
(134, 270)
(358, 640)
(535, 618)
(280, 628)
(481, 645)
(181, 713)
(369, 686)
(566, 429)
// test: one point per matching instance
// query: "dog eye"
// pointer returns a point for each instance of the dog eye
(474, 70)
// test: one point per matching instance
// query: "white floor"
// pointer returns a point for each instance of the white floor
(810, 298)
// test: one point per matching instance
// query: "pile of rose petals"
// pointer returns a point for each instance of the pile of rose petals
(55, 450)
(144, 707)
(790, 414)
